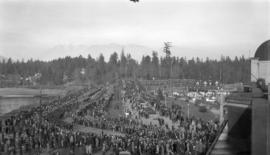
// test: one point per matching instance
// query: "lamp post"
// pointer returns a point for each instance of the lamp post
(37, 78)
(171, 77)
(82, 72)
(188, 110)
(40, 94)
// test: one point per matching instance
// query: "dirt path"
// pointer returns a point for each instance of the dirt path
(85, 129)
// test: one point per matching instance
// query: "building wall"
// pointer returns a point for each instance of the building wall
(254, 70)
(239, 122)
(260, 69)
(265, 70)
(268, 127)
(260, 127)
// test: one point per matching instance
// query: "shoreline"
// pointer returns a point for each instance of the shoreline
(18, 96)
(15, 111)
(30, 92)
(25, 93)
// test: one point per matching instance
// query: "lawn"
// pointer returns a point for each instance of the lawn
(193, 110)
(115, 109)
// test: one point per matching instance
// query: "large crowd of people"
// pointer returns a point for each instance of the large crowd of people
(42, 129)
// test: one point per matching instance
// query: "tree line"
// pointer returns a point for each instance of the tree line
(84, 69)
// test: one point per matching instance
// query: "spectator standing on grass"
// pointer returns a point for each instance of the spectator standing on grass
(1, 139)
(104, 148)
(90, 149)
(182, 147)
(201, 147)
(162, 149)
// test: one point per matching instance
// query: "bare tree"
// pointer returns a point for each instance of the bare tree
(166, 49)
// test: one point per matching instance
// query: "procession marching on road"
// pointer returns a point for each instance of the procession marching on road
(80, 123)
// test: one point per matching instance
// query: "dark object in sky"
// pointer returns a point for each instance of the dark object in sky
(263, 51)
(134, 1)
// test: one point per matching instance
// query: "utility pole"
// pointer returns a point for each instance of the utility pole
(171, 77)
(165, 100)
(40, 95)
(221, 111)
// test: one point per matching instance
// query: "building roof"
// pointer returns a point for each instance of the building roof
(263, 51)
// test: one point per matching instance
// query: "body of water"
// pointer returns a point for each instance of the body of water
(12, 103)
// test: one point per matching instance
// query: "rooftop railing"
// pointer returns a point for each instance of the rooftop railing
(212, 146)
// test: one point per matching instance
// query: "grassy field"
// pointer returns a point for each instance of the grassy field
(115, 109)
(85, 129)
(193, 110)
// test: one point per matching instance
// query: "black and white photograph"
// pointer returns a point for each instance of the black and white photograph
(134, 77)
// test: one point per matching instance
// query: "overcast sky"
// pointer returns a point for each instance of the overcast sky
(230, 27)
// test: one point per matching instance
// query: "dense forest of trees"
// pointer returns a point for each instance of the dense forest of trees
(83, 69)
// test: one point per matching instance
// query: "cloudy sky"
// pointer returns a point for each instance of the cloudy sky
(228, 27)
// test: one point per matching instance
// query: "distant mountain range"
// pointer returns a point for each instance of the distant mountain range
(136, 51)
(2, 58)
